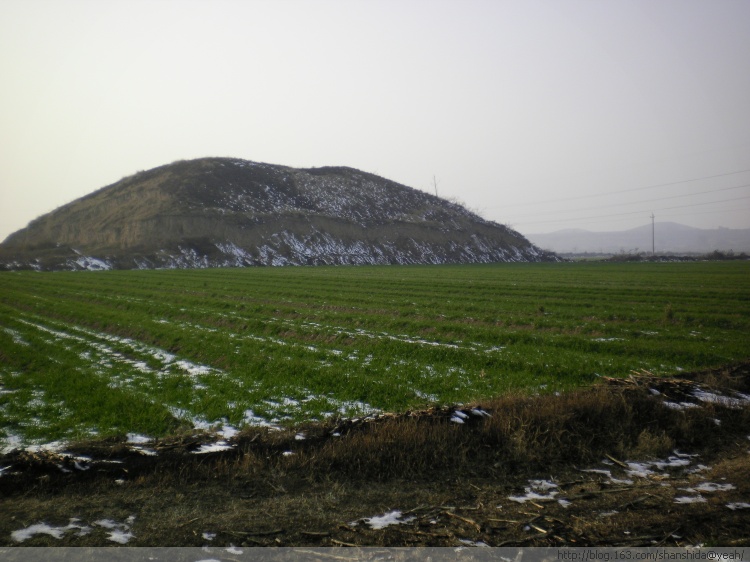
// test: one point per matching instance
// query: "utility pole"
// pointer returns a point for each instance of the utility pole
(434, 182)
(653, 244)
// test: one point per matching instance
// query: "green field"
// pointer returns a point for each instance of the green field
(151, 352)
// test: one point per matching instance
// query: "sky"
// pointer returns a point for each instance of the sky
(541, 115)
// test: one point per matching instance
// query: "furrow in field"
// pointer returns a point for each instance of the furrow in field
(17, 338)
(413, 374)
(360, 332)
(144, 371)
(267, 346)
(150, 372)
(103, 351)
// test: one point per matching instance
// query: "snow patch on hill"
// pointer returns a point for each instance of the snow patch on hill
(221, 212)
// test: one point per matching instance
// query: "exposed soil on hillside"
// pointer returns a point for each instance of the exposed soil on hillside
(228, 212)
(640, 461)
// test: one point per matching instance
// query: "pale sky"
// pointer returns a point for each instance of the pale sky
(542, 115)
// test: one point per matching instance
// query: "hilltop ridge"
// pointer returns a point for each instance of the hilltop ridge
(218, 212)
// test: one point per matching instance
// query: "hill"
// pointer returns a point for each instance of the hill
(670, 237)
(218, 212)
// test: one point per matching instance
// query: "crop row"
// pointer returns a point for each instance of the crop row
(152, 351)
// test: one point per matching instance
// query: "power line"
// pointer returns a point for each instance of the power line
(644, 200)
(578, 197)
(636, 212)
(732, 207)
(667, 216)
(691, 214)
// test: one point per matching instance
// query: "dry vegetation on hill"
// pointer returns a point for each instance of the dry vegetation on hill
(215, 212)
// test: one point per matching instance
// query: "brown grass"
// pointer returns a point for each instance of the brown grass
(420, 461)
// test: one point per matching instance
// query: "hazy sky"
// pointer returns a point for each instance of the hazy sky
(539, 114)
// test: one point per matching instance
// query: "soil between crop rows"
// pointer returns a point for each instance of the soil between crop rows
(669, 476)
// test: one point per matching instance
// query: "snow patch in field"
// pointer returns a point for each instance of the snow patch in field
(118, 532)
(346, 407)
(387, 519)
(477, 544)
(676, 461)
(253, 420)
(200, 423)
(680, 405)
(227, 431)
(608, 474)
(52, 446)
(479, 412)
(639, 470)
(735, 402)
(45, 529)
(17, 339)
(608, 339)
(711, 487)
(645, 469)
(738, 505)
(288, 408)
(143, 451)
(425, 396)
(401, 338)
(10, 442)
(690, 499)
(726, 401)
(542, 490)
(103, 354)
(4, 390)
(193, 369)
(213, 447)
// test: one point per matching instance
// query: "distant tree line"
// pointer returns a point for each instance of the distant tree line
(716, 255)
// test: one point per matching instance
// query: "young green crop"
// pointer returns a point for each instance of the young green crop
(151, 351)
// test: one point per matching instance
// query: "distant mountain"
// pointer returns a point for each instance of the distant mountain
(670, 237)
(216, 212)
